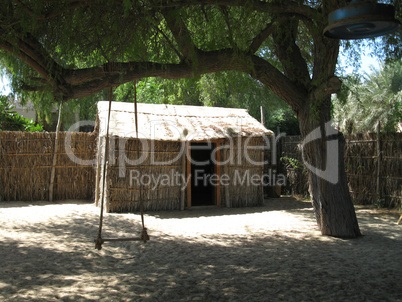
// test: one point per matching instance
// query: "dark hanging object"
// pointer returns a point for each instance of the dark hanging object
(361, 19)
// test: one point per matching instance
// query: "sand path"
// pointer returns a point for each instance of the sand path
(269, 253)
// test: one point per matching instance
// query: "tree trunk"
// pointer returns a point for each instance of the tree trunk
(323, 154)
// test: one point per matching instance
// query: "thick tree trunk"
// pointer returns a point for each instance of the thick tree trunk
(323, 151)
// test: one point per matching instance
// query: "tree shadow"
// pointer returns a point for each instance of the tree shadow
(56, 260)
(271, 204)
(271, 267)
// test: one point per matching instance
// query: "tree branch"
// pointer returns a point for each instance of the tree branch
(31, 46)
(225, 14)
(26, 58)
(180, 33)
(39, 80)
(51, 14)
(91, 80)
(262, 36)
(287, 7)
(289, 54)
(32, 53)
(27, 87)
(84, 82)
(171, 44)
(278, 83)
(332, 85)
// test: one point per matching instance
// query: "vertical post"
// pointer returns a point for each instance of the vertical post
(263, 173)
(183, 171)
(378, 190)
(56, 150)
(98, 240)
(189, 180)
(278, 145)
(279, 170)
(218, 172)
(262, 115)
(225, 171)
(98, 168)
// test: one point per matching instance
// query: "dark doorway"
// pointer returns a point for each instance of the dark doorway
(202, 168)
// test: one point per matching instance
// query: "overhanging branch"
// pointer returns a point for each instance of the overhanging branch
(26, 58)
(262, 36)
(115, 74)
(180, 33)
(278, 83)
(289, 53)
(287, 7)
(74, 4)
(32, 88)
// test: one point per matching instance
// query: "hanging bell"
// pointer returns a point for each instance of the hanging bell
(361, 19)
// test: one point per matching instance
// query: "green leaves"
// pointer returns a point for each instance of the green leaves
(12, 121)
(224, 89)
(377, 96)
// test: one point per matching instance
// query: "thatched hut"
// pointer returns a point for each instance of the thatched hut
(187, 156)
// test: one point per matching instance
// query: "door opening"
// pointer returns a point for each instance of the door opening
(202, 169)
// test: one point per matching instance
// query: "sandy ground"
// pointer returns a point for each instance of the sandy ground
(269, 253)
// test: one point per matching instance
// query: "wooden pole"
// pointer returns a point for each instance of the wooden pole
(262, 115)
(279, 167)
(218, 172)
(189, 180)
(378, 190)
(98, 174)
(226, 172)
(183, 171)
(278, 151)
(56, 149)
(98, 240)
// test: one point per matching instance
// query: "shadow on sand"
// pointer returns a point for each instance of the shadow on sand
(271, 204)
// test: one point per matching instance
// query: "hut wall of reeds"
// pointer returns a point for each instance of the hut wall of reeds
(373, 165)
(161, 172)
(122, 191)
(243, 158)
(26, 161)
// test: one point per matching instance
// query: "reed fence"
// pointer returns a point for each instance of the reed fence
(373, 165)
(26, 162)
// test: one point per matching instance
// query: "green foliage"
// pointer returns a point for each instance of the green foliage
(363, 102)
(160, 91)
(380, 203)
(284, 119)
(292, 162)
(225, 89)
(392, 44)
(31, 126)
(91, 34)
(86, 107)
(12, 121)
